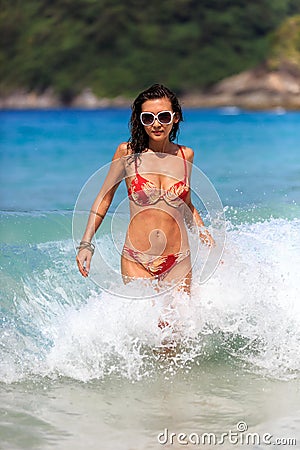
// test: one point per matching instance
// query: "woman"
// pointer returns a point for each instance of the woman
(157, 173)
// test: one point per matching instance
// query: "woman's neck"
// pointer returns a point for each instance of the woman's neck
(161, 147)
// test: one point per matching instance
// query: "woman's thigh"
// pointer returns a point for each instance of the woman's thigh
(131, 269)
(181, 274)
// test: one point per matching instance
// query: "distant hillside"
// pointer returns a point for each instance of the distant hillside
(275, 83)
(285, 47)
(116, 48)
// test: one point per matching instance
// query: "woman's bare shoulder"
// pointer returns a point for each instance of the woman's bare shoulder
(188, 153)
(123, 150)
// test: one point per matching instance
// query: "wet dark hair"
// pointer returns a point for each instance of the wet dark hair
(139, 139)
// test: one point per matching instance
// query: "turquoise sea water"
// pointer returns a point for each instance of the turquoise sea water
(83, 368)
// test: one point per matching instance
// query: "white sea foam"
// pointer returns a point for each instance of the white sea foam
(248, 310)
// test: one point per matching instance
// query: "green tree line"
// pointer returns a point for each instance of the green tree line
(119, 47)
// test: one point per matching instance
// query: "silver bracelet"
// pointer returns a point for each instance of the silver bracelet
(86, 245)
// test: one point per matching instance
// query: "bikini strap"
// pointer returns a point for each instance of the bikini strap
(185, 166)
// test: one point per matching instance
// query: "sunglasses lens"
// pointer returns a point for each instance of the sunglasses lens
(165, 117)
(147, 118)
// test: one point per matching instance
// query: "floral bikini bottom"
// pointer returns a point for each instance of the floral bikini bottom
(157, 266)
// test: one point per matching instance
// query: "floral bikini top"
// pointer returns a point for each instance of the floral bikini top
(144, 192)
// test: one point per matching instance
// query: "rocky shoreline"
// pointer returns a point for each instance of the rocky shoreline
(257, 89)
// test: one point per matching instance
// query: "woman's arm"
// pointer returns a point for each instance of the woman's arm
(204, 234)
(100, 207)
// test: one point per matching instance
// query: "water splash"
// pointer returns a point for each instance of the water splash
(54, 323)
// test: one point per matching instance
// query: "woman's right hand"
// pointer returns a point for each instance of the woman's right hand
(83, 260)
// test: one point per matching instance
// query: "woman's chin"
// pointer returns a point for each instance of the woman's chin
(158, 136)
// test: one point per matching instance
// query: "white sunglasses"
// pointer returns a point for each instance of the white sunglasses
(163, 117)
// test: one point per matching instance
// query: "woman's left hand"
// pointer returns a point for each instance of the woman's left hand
(206, 237)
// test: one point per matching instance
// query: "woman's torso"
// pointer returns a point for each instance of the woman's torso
(158, 186)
